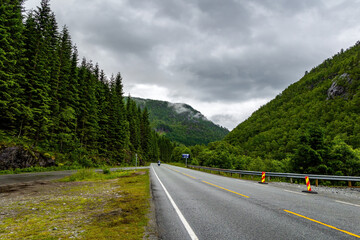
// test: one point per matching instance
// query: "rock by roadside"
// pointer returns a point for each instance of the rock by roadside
(20, 157)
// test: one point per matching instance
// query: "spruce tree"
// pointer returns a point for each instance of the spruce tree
(63, 113)
(145, 133)
(119, 127)
(41, 40)
(11, 58)
(134, 124)
(104, 114)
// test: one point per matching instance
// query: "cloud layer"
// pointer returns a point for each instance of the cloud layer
(225, 58)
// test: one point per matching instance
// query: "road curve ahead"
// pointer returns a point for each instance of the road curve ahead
(197, 205)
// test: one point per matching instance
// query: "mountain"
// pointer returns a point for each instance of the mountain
(312, 126)
(181, 123)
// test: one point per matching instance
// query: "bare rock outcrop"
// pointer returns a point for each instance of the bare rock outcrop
(337, 89)
(20, 157)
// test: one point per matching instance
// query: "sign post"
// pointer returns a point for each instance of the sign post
(135, 160)
(186, 156)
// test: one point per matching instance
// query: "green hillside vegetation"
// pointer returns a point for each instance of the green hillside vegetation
(70, 112)
(313, 126)
(181, 123)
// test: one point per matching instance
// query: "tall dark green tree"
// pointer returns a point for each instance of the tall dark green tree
(145, 133)
(134, 124)
(104, 98)
(119, 133)
(41, 42)
(11, 59)
(62, 111)
(88, 115)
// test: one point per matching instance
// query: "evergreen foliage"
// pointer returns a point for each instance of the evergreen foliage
(50, 102)
(181, 123)
(313, 126)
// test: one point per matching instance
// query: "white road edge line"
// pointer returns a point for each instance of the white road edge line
(181, 216)
(348, 203)
(296, 192)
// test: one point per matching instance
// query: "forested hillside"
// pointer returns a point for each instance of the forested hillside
(181, 123)
(67, 110)
(313, 126)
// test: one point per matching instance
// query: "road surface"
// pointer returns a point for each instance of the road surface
(197, 205)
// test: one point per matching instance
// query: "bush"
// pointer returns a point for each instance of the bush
(82, 174)
(106, 170)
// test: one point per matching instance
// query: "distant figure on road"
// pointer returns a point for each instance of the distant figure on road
(159, 163)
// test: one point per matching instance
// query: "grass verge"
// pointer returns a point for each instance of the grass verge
(86, 205)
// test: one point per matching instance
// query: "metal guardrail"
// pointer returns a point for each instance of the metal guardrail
(316, 177)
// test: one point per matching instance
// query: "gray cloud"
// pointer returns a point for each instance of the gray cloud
(205, 51)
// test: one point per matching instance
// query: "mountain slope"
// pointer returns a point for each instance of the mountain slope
(326, 101)
(181, 123)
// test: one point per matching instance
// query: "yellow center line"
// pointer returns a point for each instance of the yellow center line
(226, 189)
(181, 173)
(327, 225)
(188, 175)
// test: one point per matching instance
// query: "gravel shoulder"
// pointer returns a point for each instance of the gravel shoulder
(348, 194)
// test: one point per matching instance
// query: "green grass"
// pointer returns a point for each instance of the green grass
(101, 206)
(89, 174)
(38, 169)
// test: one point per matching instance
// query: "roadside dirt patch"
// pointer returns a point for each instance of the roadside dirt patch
(140, 173)
(100, 209)
(23, 189)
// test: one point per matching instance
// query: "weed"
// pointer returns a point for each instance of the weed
(106, 170)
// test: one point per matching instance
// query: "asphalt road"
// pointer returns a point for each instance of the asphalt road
(197, 205)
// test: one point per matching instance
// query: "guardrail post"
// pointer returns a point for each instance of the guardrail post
(291, 181)
(239, 175)
(349, 183)
(317, 182)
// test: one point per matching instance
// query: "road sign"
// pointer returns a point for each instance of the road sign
(185, 155)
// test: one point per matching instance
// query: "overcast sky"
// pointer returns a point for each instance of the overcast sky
(225, 58)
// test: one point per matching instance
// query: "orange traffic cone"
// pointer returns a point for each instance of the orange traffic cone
(308, 186)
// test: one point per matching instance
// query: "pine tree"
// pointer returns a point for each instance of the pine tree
(87, 124)
(119, 127)
(11, 58)
(145, 133)
(134, 124)
(63, 113)
(41, 40)
(104, 114)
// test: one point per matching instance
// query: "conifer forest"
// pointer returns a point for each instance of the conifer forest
(65, 108)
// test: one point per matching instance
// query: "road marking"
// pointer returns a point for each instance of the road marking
(352, 204)
(188, 175)
(327, 225)
(296, 192)
(226, 189)
(181, 216)
(181, 173)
